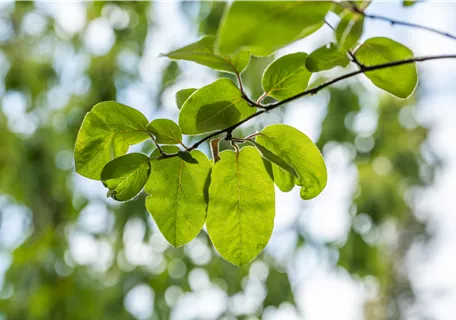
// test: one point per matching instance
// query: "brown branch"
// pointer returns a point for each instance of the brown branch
(397, 22)
(312, 91)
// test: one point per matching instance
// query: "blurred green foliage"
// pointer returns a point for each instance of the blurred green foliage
(43, 280)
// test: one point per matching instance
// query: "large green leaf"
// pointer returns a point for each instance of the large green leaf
(126, 176)
(177, 200)
(165, 131)
(349, 30)
(295, 148)
(213, 107)
(183, 95)
(202, 52)
(262, 27)
(106, 133)
(325, 58)
(240, 215)
(400, 81)
(286, 76)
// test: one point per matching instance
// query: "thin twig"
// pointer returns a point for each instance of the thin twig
(312, 91)
(397, 22)
(244, 95)
(355, 73)
(156, 144)
(260, 99)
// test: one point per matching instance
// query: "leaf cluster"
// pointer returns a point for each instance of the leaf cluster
(233, 193)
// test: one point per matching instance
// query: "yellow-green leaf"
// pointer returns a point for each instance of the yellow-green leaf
(286, 76)
(202, 52)
(177, 200)
(296, 149)
(126, 176)
(182, 96)
(106, 133)
(213, 107)
(262, 27)
(241, 209)
(325, 58)
(165, 131)
(400, 81)
(349, 30)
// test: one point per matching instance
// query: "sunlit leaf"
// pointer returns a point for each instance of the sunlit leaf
(182, 96)
(349, 30)
(177, 191)
(262, 27)
(241, 209)
(409, 3)
(326, 57)
(202, 52)
(126, 176)
(296, 149)
(401, 80)
(106, 133)
(215, 106)
(165, 131)
(286, 76)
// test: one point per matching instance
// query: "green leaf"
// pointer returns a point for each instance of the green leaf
(126, 176)
(272, 157)
(400, 81)
(240, 215)
(262, 27)
(408, 3)
(286, 76)
(283, 174)
(349, 30)
(213, 107)
(165, 131)
(361, 5)
(177, 191)
(106, 133)
(325, 58)
(296, 149)
(183, 95)
(283, 179)
(202, 52)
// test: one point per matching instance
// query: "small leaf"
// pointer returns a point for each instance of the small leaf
(183, 95)
(202, 52)
(177, 199)
(165, 131)
(325, 58)
(213, 107)
(400, 81)
(296, 149)
(286, 76)
(106, 133)
(409, 3)
(126, 176)
(241, 210)
(262, 27)
(349, 30)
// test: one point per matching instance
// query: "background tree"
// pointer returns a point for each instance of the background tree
(53, 74)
